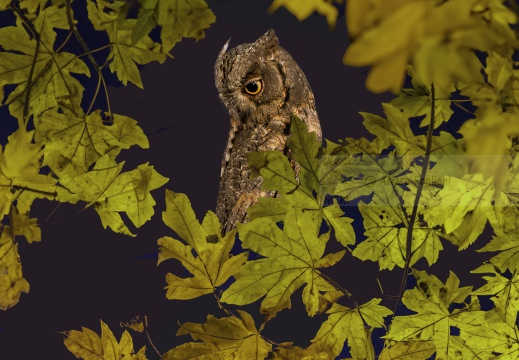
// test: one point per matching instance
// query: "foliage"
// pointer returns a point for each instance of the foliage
(88, 345)
(63, 149)
(416, 184)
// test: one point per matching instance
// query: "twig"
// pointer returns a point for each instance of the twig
(409, 240)
(148, 335)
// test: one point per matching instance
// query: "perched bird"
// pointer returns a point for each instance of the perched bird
(261, 85)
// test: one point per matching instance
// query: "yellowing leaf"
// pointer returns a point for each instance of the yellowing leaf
(212, 266)
(26, 226)
(504, 291)
(386, 228)
(124, 53)
(12, 282)
(73, 144)
(52, 84)
(87, 345)
(508, 256)
(341, 224)
(395, 131)
(136, 324)
(302, 9)
(417, 102)
(431, 300)
(225, 338)
(182, 18)
(463, 205)
(408, 350)
(292, 257)
(423, 33)
(19, 169)
(345, 324)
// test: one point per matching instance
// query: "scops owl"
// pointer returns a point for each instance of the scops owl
(261, 85)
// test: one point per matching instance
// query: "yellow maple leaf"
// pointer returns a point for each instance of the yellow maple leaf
(87, 345)
(302, 9)
(12, 282)
(212, 265)
(226, 338)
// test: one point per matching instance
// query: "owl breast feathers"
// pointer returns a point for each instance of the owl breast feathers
(261, 86)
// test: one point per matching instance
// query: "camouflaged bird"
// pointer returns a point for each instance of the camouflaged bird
(261, 86)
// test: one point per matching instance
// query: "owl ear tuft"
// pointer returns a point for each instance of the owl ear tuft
(268, 43)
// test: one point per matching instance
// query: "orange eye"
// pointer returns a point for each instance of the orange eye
(253, 87)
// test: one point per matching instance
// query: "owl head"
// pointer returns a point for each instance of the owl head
(259, 78)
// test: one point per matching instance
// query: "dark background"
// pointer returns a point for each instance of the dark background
(81, 273)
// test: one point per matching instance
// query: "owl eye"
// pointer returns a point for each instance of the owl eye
(253, 87)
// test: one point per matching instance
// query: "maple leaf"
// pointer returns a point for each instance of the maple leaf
(408, 350)
(225, 338)
(508, 256)
(504, 291)
(19, 171)
(212, 265)
(12, 282)
(316, 177)
(292, 259)
(302, 9)
(87, 345)
(417, 102)
(386, 231)
(73, 144)
(124, 53)
(111, 192)
(494, 340)
(395, 131)
(345, 324)
(462, 207)
(422, 32)
(431, 300)
(52, 83)
(177, 19)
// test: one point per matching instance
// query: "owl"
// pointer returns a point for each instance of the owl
(261, 85)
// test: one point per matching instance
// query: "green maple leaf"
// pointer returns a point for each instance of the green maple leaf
(74, 143)
(112, 192)
(124, 53)
(386, 229)
(212, 265)
(431, 300)
(417, 102)
(462, 207)
(87, 345)
(508, 256)
(225, 338)
(52, 83)
(504, 291)
(316, 178)
(345, 324)
(494, 340)
(12, 282)
(177, 19)
(292, 259)
(302, 9)
(395, 131)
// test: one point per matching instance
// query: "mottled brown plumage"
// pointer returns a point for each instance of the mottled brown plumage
(261, 86)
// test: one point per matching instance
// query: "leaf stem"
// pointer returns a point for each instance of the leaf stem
(88, 52)
(148, 335)
(412, 220)
(28, 88)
